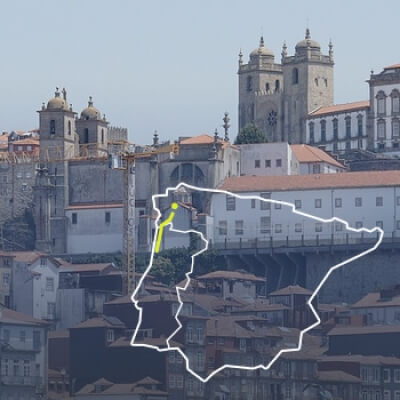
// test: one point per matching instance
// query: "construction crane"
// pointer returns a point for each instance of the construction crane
(127, 162)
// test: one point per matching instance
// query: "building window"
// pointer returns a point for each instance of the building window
(102, 136)
(398, 224)
(239, 227)
(338, 202)
(107, 217)
(358, 202)
(22, 336)
(4, 366)
(278, 228)
(311, 130)
(381, 103)
(52, 127)
(278, 206)
(223, 227)
(318, 227)
(172, 381)
(267, 163)
(249, 84)
(257, 163)
(27, 368)
(360, 125)
(381, 129)
(69, 128)
(51, 310)
(230, 203)
(277, 85)
(348, 126)
(6, 278)
(395, 102)
(396, 377)
(50, 284)
(253, 203)
(279, 162)
(379, 201)
(265, 205)
(265, 224)
(323, 130)
(74, 218)
(338, 227)
(110, 335)
(295, 76)
(335, 129)
(267, 88)
(395, 128)
(318, 203)
(298, 227)
(316, 168)
(297, 204)
(386, 375)
(86, 136)
(379, 224)
(359, 224)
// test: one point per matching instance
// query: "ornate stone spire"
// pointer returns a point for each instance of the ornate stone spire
(330, 49)
(90, 102)
(64, 92)
(308, 34)
(155, 139)
(57, 93)
(262, 41)
(240, 58)
(226, 126)
(284, 50)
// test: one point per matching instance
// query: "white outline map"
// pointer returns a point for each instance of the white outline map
(179, 289)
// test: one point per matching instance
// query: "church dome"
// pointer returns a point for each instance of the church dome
(261, 50)
(307, 42)
(57, 102)
(90, 112)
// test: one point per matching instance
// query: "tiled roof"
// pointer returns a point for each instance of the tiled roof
(374, 300)
(261, 305)
(363, 330)
(231, 275)
(93, 206)
(101, 322)
(307, 154)
(337, 376)
(203, 139)
(100, 267)
(394, 66)
(26, 141)
(58, 334)
(28, 257)
(12, 317)
(366, 360)
(294, 289)
(311, 182)
(339, 108)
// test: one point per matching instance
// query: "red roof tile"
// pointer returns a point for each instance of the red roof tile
(295, 289)
(339, 108)
(394, 66)
(231, 275)
(307, 154)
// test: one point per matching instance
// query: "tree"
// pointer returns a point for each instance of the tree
(251, 134)
(163, 270)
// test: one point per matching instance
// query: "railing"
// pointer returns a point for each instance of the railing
(270, 242)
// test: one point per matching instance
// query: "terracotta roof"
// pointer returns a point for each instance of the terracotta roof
(101, 322)
(93, 206)
(148, 381)
(309, 154)
(231, 275)
(58, 334)
(291, 289)
(12, 317)
(366, 360)
(261, 305)
(339, 108)
(200, 139)
(394, 66)
(28, 257)
(310, 182)
(374, 300)
(337, 376)
(100, 267)
(26, 141)
(363, 330)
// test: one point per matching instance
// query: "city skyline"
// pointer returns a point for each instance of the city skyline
(80, 47)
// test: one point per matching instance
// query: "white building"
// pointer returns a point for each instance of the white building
(273, 159)
(35, 284)
(364, 199)
(23, 356)
(95, 228)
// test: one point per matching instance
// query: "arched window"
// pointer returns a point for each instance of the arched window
(295, 76)
(277, 85)
(102, 136)
(360, 125)
(316, 82)
(396, 128)
(381, 102)
(311, 131)
(395, 95)
(323, 130)
(335, 129)
(52, 127)
(249, 84)
(347, 121)
(381, 129)
(267, 88)
(86, 136)
(69, 128)
(188, 173)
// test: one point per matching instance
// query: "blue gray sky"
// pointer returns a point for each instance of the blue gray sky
(171, 65)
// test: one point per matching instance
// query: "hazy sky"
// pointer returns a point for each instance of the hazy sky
(171, 65)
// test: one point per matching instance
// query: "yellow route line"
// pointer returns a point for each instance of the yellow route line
(171, 216)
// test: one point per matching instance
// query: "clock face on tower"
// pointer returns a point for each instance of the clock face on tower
(272, 118)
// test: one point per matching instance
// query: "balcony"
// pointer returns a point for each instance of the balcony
(21, 380)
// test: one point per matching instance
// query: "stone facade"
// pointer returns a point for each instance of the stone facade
(278, 97)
